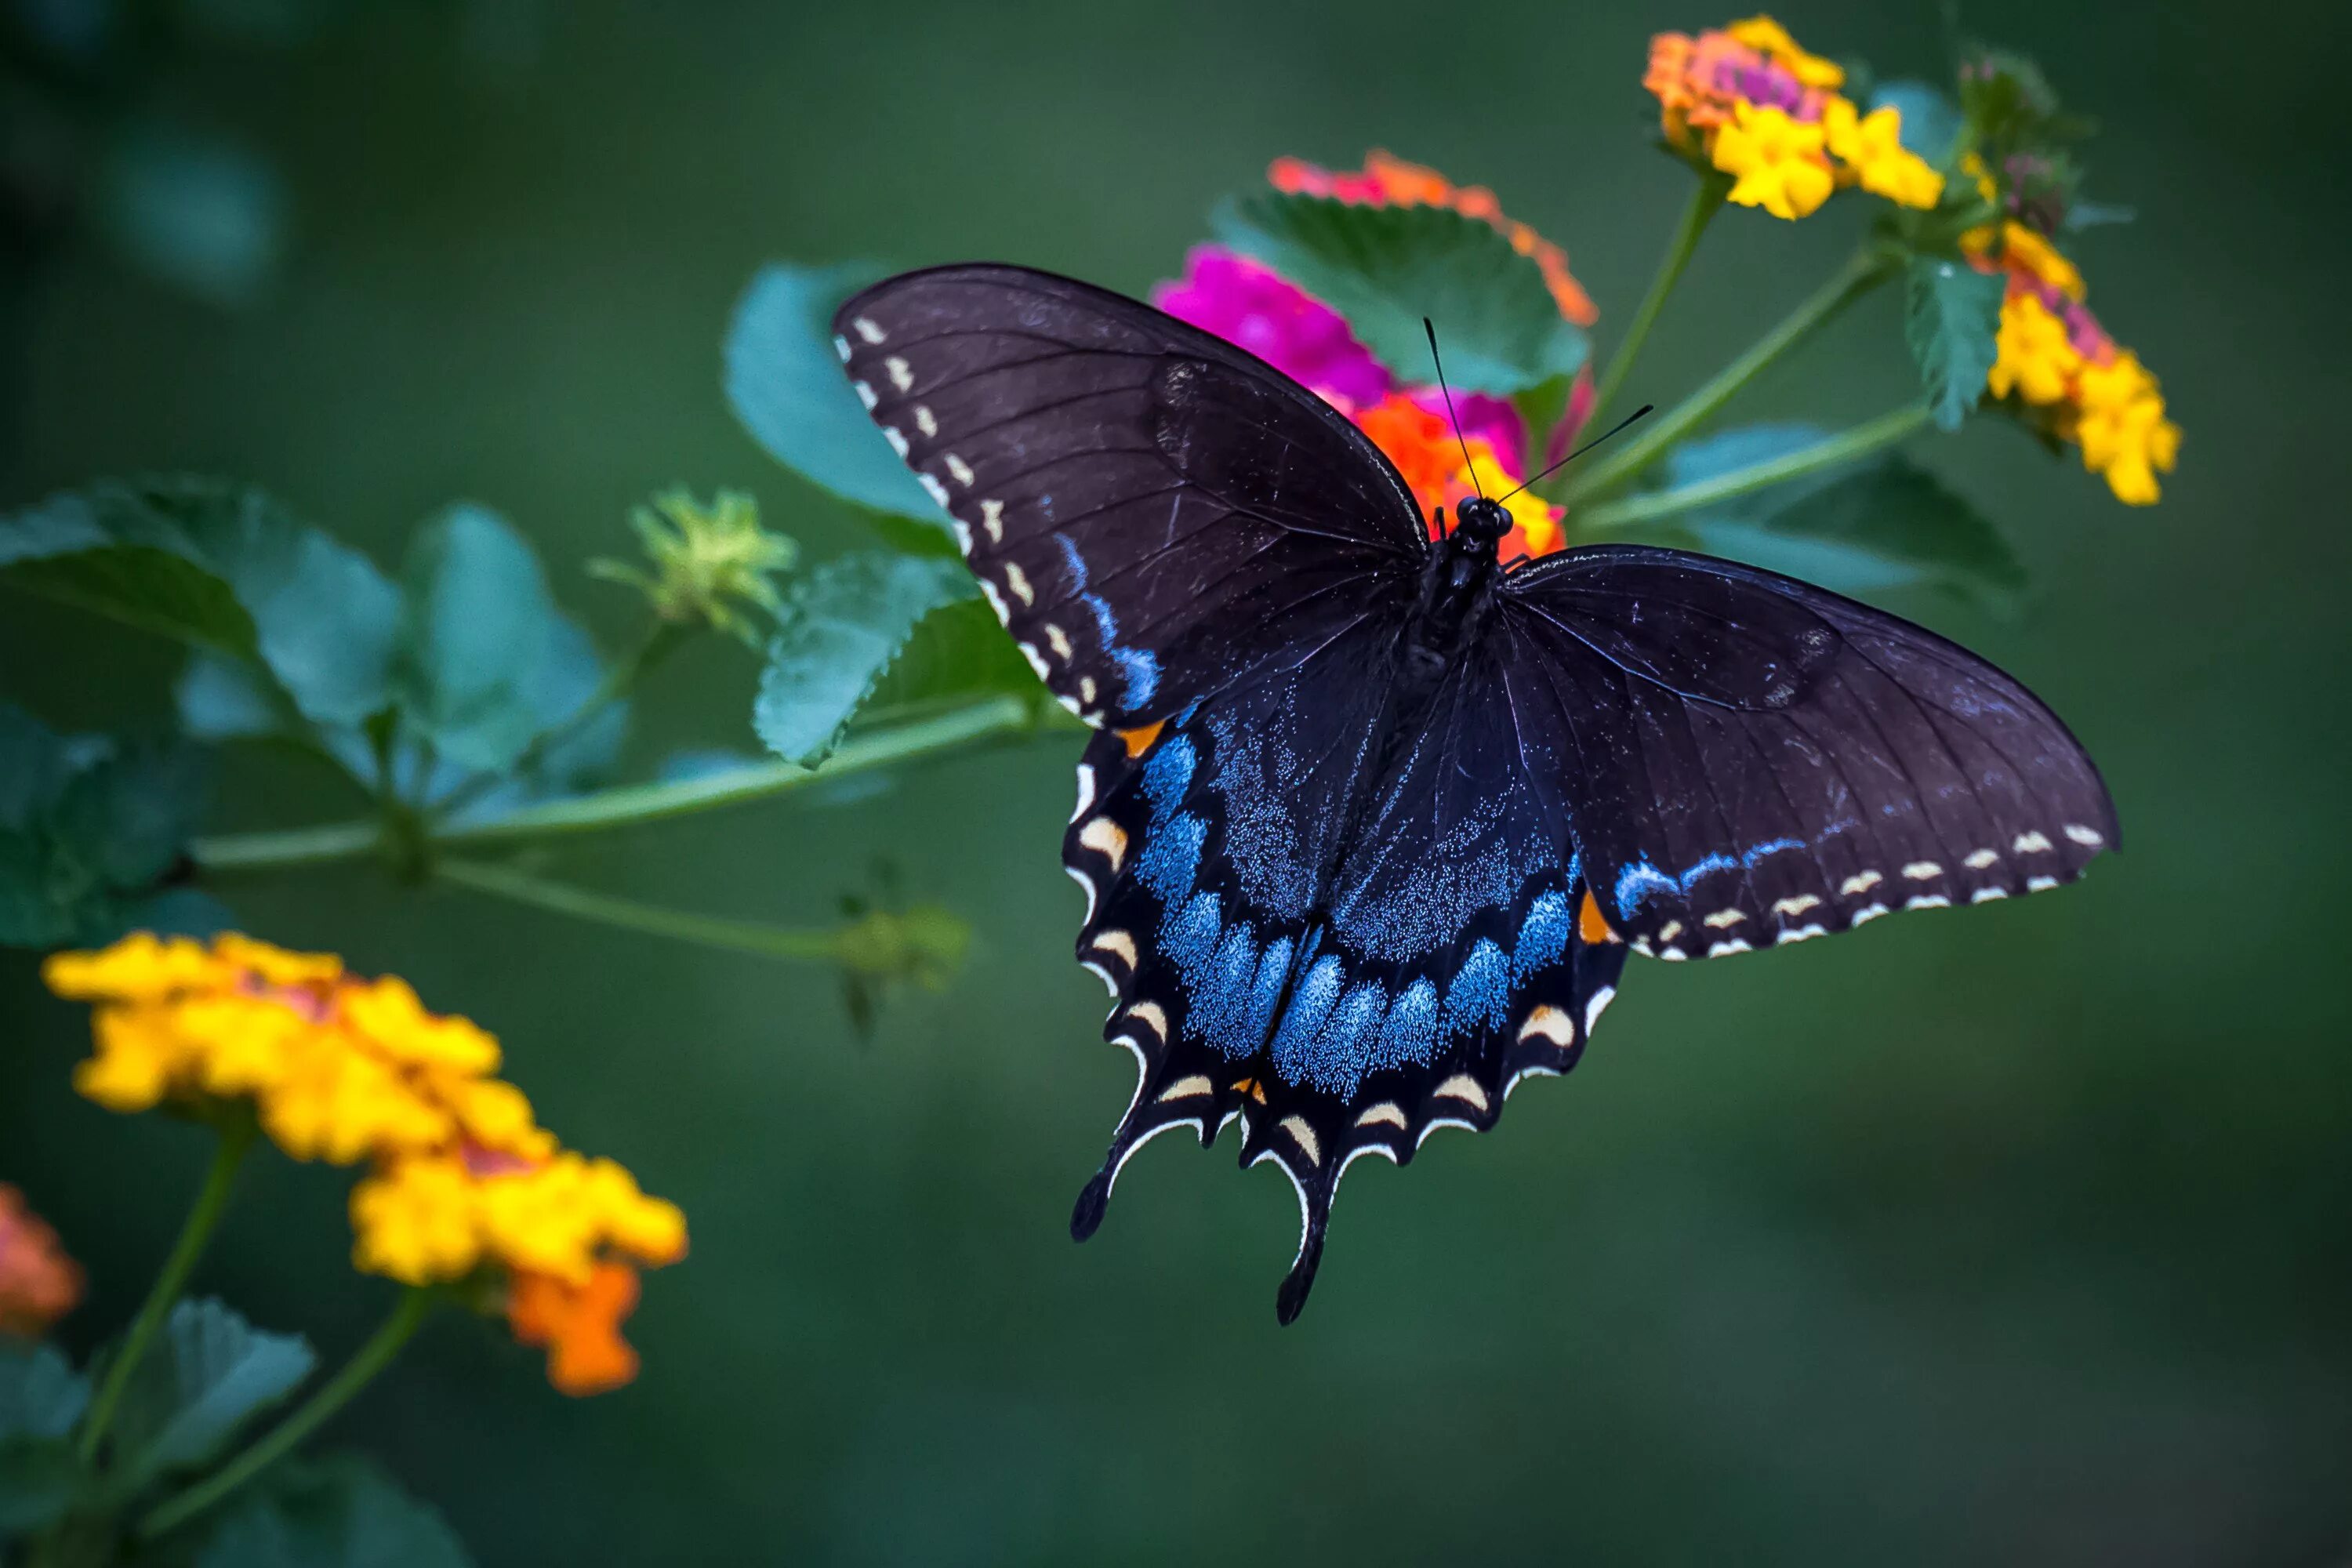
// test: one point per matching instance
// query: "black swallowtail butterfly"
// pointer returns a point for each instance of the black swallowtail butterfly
(1372, 822)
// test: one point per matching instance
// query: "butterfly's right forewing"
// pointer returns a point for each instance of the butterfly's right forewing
(1153, 514)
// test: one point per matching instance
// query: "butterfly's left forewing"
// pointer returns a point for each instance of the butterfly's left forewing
(1153, 514)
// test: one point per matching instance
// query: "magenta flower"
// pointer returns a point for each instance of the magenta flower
(1250, 306)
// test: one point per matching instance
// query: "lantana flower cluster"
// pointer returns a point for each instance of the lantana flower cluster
(38, 1282)
(2060, 371)
(462, 1182)
(1253, 305)
(1748, 101)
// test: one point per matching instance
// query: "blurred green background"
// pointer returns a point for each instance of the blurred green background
(2019, 1235)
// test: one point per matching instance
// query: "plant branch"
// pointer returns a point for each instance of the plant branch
(1705, 201)
(372, 1358)
(628, 805)
(204, 1217)
(1846, 445)
(628, 915)
(1864, 270)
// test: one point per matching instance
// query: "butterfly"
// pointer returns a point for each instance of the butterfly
(1372, 822)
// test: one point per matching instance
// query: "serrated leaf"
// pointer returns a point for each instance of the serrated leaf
(1882, 523)
(784, 383)
(1930, 124)
(1386, 268)
(1951, 317)
(339, 1512)
(207, 1375)
(41, 1398)
(479, 632)
(87, 826)
(844, 626)
(41, 1395)
(957, 654)
(222, 567)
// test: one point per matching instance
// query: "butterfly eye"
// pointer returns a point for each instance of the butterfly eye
(1484, 521)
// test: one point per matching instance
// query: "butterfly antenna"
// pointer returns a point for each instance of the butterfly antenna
(1447, 392)
(1645, 408)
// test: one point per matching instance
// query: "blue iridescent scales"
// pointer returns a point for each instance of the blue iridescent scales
(1355, 866)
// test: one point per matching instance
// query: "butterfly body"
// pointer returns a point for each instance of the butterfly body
(1372, 821)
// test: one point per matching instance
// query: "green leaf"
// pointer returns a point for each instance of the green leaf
(209, 1375)
(784, 382)
(957, 654)
(1930, 125)
(846, 625)
(480, 632)
(1951, 314)
(1387, 268)
(222, 567)
(87, 827)
(1882, 523)
(41, 1397)
(339, 1512)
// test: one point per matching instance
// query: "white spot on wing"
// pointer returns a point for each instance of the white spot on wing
(2088, 837)
(1592, 1008)
(1118, 943)
(1987, 895)
(996, 602)
(1796, 906)
(1869, 912)
(1037, 660)
(961, 470)
(938, 492)
(1083, 880)
(1059, 641)
(1464, 1088)
(1724, 920)
(1304, 1136)
(1108, 839)
(1725, 949)
(1673, 929)
(841, 347)
(1799, 933)
(1018, 581)
(901, 377)
(1085, 790)
(897, 442)
(2031, 843)
(1922, 870)
(2040, 884)
(923, 420)
(1186, 1087)
(1860, 882)
(1551, 1023)
(868, 330)
(1386, 1113)
(1928, 901)
(1979, 859)
(866, 395)
(991, 518)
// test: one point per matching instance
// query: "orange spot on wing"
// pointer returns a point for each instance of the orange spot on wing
(1590, 928)
(1140, 740)
(1251, 1086)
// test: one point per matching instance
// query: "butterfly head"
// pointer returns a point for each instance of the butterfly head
(1481, 521)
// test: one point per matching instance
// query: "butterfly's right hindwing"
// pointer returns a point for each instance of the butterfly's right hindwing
(1151, 512)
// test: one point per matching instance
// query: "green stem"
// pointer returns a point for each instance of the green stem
(629, 804)
(268, 1449)
(660, 640)
(1707, 200)
(1865, 268)
(1888, 428)
(708, 931)
(204, 1217)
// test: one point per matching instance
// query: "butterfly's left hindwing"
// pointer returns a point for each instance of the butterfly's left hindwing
(1153, 514)
(1340, 997)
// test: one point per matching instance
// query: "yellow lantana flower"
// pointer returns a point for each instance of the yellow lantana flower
(1781, 164)
(2036, 359)
(1872, 146)
(1770, 39)
(2126, 437)
(342, 1068)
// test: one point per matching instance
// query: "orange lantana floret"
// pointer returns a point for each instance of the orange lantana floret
(38, 1283)
(580, 1324)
